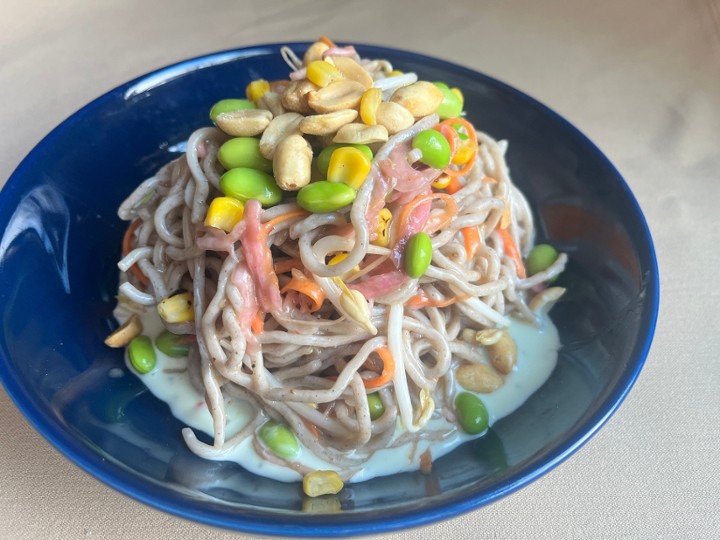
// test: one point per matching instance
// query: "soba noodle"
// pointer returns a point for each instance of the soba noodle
(310, 370)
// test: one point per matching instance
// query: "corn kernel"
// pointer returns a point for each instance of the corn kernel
(349, 166)
(383, 229)
(463, 155)
(224, 213)
(339, 258)
(322, 73)
(256, 89)
(442, 182)
(177, 308)
(319, 483)
(369, 103)
(394, 73)
(459, 94)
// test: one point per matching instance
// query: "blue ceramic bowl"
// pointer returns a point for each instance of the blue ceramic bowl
(58, 279)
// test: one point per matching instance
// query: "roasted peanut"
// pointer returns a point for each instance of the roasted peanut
(245, 123)
(328, 123)
(279, 86)
(314, 52)
(488, 336)
(543, 301)
(280, 127)
(479, 378)
(503, 353)
(357, 133)
(294, 98)
(336, 96)
(420, 98)
(292, 163)
(124, 334)
(353, 71)
(393, 116)
(272, 102)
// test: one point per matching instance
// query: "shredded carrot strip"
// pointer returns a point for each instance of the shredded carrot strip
(454, 186)
(258, 323)
(451, 135)
(388, 369)
(449, 213)
(373, 363)
(283, 266)
(512, 251)
(419, 301)
(312, 428)
(327, 41)
(472, 136)
(270, 224)
(465, 168)
(471, 235)
(505, 219)
(127, 246)
(127, 237)
(307, 287)
(471, 133)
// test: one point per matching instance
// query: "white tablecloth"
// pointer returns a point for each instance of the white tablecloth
(641, 78)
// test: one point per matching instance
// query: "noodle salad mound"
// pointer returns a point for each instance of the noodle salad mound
(340, 267)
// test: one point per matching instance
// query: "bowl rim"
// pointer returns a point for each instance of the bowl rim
(279, 523)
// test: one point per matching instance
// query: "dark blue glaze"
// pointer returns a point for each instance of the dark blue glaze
(58, 279)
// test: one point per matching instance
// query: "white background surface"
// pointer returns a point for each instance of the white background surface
(640, 78)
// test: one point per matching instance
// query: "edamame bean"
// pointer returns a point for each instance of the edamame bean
(322, 197)
(435, 148)
(459, 129)
(541, 258)
(230, 105)
(142, 355)
(323, 159)
(243, 152)
(451, 105)
(471, 413)
(418, 254)
(375, 404)
(244, 184)
(173, 345)
(279, 439)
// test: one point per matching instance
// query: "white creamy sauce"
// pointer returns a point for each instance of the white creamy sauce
(170, 382)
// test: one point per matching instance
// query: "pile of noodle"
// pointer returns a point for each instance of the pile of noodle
(307, 369)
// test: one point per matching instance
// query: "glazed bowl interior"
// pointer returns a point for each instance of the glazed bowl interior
(58, 272)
